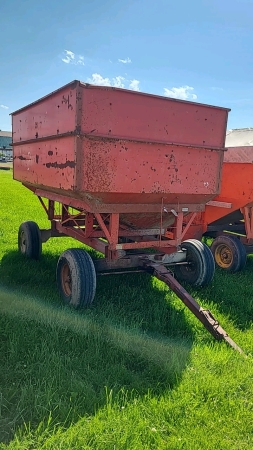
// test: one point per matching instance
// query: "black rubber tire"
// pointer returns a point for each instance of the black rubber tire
(201, 268)
(29, 239)
(76, 278)
(229, 253)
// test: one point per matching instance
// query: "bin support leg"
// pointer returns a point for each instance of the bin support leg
(204, 315)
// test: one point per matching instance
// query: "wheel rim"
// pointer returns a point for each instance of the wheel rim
(190, 270)
(22, 242)
(66, 280)
(223, 256)
(191, 267)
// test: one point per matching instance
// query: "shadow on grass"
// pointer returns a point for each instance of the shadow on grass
(61, 362)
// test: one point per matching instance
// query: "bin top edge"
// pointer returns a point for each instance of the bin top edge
(76, 83)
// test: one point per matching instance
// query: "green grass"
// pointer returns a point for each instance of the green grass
(134, 371)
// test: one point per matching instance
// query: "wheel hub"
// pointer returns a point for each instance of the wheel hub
(22, 242)
(223, 256)
(66, 280)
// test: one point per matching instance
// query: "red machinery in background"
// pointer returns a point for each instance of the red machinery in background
(228, 218)
(232, 226)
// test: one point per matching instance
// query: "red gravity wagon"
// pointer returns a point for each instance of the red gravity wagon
(120, 171)
(232, 223)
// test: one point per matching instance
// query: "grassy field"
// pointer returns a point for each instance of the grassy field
(134, 371)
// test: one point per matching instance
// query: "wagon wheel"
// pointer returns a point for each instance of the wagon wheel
(229, 253)
(29, 239)
(200, 268)
(76, 277)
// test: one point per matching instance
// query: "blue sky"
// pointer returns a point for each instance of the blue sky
(198, 50)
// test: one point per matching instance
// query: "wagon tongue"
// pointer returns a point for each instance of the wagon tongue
(204, 315)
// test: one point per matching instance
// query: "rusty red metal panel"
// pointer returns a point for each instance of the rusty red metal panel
(51, 116)
(145, 173)
(116, 172)
(49, 163)
(134, 115)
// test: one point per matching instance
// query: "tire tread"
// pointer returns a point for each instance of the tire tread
(83, 276)
(204, 259)
(33, 239)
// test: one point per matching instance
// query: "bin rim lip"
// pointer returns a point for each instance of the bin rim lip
(75, 83)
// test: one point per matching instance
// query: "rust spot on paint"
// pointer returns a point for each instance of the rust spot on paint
(50, 153)
(71, 164)
(66, 101)
(37, 159)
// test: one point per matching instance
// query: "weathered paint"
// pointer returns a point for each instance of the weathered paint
(111, 147)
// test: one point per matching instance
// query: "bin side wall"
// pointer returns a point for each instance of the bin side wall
(55, 115)
(125, 114)
(51, 163)
(131, 167)
(119, 171)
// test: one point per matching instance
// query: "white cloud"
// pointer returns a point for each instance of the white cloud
(98, 80)
(70, 57)
(183, 93)
(118, 82)
(125, 61)
(4, 106)
(80, 60)
(134, 85)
